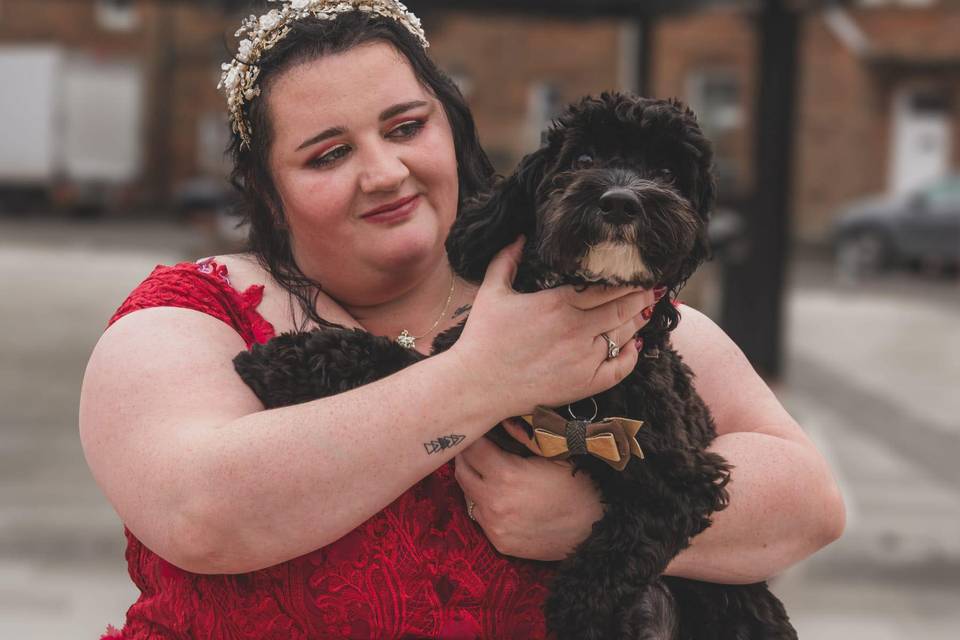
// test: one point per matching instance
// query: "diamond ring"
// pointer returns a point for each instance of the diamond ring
(612, 349)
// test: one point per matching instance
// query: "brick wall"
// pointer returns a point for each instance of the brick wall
(843, 113)
(178, 47)
(842, 132)
(718, 40)
(503, 55)
(845, 118)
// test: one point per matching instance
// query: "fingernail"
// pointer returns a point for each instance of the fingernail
(659, 292)
(646, 313)
(639, 343)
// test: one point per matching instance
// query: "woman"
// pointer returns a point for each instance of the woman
(344, 517)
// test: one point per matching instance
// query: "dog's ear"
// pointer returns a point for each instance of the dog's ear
(494, 220)
(704, 195)
(706, 192)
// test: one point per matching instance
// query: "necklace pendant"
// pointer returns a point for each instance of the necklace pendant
(406, 340)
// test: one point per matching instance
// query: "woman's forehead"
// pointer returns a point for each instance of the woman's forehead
(335, 89)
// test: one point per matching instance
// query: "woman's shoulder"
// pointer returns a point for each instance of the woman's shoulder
(206, 286)
(246, 271)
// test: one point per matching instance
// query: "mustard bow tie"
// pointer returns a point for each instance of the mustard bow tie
(613, 440)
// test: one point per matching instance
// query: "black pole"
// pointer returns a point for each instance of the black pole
(753, 286)
(646, 25)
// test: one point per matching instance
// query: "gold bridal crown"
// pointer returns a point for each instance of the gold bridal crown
(239, 79)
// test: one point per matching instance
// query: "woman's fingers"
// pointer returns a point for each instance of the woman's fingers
(463, 468)
(613, 370)
(485, 459)
(514, 426)
(470, 483)
(503, 267)
(482, 470)
(543, 347)
(617, 313)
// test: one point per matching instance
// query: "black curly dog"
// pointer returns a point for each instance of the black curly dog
(620, 194)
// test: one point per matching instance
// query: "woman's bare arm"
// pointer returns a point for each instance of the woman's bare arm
(212, 482)
(784, 502)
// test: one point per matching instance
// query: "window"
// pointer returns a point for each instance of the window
(945, 195)
(117, 15)
(715, 96)
(931, 101)
(897, 3)
(463, 80)
(213, 136)
(543, 105)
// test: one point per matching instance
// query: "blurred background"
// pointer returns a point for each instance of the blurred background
(837, 237)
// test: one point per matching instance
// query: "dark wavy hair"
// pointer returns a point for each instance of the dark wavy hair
(261, 206)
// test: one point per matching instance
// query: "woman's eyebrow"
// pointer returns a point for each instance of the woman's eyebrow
(387, 113)
(397, 109)
(323, 135)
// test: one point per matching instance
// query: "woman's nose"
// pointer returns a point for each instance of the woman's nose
(383, 170)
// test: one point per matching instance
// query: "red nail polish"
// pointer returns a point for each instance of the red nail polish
(646, 313)
(639, 343)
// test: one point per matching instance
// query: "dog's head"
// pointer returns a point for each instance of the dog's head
(620, 194)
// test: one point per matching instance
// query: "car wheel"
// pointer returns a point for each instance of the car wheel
(862, 254)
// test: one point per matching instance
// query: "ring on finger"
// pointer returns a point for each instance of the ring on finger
(612, 349)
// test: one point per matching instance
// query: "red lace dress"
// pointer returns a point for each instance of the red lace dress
(418, 569)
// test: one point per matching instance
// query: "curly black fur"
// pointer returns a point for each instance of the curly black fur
(631, 176)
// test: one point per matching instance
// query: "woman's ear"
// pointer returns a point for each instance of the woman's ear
(495, 219)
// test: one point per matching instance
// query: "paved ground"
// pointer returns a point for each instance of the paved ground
(872, 376)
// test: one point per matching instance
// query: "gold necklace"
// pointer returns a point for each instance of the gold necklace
(409, 341)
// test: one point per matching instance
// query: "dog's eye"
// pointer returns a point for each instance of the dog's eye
(583, 161)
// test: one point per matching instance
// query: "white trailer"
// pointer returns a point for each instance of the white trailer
(29, 105)
(69, 122)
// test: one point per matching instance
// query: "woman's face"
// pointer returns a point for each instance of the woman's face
(356, 133)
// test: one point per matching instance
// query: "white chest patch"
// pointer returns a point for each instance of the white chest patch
(614, 259)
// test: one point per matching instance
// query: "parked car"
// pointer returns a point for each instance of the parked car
(918, 229)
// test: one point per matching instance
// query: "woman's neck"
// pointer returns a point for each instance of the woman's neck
(418, 309)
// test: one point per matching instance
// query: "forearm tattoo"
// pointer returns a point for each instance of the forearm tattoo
(442, 443)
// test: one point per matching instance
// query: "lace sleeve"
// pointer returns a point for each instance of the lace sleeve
(202, 286)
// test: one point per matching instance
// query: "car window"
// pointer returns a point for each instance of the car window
(944, 196)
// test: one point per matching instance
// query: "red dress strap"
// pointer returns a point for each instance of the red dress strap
(201, 286)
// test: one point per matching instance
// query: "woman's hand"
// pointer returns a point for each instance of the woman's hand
(528, 507)
(546, 347)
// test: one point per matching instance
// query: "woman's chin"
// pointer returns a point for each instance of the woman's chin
(409, 250)
(412, 241)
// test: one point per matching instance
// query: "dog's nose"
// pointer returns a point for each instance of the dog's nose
(619, 203)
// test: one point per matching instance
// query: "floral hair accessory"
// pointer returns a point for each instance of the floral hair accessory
(239, 78)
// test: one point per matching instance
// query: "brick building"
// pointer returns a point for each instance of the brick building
(877, 106)
(877, 92)
(169, 52)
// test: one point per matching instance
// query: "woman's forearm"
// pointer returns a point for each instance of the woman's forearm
(784, 506)
(283, 482)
